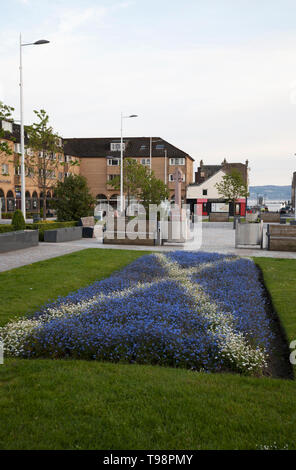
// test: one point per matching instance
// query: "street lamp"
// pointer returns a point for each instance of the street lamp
(23, 177)
(121, 159)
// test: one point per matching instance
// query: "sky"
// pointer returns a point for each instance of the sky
(216, 78)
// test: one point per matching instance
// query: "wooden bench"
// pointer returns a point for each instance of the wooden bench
(268, 217)
(218, 217)
(281, 237)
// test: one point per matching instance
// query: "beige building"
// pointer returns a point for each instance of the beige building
(100, 161)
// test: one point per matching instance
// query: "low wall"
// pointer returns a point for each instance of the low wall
(270, 217)
(218, 217)
(281, 237)
(19, 240)
(63, 234)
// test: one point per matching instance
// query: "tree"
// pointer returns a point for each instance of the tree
(153, 191)
(141, 183)
(43, 155)
(5, 115)
(18, 222)
(232, 187)
(72, 198)
(133, 178)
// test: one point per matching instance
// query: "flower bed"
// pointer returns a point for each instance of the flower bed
(202, 311)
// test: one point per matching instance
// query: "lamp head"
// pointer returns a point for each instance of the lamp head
(41, 41)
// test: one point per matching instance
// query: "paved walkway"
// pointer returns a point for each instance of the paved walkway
(218, 237)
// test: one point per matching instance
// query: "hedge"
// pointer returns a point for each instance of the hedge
(42, 226)
(6, 228)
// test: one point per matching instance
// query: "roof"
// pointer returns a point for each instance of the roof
(135, 147)
(211, 170)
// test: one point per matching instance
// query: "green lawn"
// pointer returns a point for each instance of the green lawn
(47, 404)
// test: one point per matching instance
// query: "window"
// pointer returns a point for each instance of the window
(143, 147)
(111, 177)
(60, 158)
(61, 175)
(113, 162)
(145, 161)
(202, 174)
(7, 126)
(17, 170)
(17, 148)
(116, 147)
(29, 172)
(30, 152)
(177, 161)
(204, 192)
(68, 159)
(159, 146)
(5, 170)
(171, 178)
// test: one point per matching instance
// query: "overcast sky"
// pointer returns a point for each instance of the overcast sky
(217, 78)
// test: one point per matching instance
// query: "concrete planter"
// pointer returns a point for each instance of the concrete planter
(19, 240)
(248, 234)
(65, 234)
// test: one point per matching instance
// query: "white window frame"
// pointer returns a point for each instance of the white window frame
(177, 161)
(17, 148)
(17, 170)
(116, 146)
(7, 126)
(171, 178)
(5, 169)
(110, 160)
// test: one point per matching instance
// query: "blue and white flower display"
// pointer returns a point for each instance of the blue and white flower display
(203, 311)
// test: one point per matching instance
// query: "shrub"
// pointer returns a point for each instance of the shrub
(6, 228)
(18, 222)
(48, 225)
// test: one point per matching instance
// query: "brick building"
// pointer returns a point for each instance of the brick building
(10, 179)
(100, 161)
(204, 193)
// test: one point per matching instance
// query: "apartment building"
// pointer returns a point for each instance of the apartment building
(10, 171)
(100, 161)
(203, 192)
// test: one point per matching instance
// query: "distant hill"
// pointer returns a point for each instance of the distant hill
(271, 193)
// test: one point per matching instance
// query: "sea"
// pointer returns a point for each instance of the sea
(273, 206)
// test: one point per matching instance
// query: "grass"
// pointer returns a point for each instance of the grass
(47, 404)
(24, 289)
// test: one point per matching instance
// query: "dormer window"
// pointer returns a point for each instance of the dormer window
(159, 146)
(116, 146)
(143, 147)
(7, 126)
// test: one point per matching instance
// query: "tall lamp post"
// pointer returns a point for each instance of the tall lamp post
(121, 158)
(23, 177)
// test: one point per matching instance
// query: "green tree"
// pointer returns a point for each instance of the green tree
(42, 156)
(73, 199)
(153, 191)
(18, 221)
(140, 183)
(5, 115)
(133, 178)
(232, 187)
